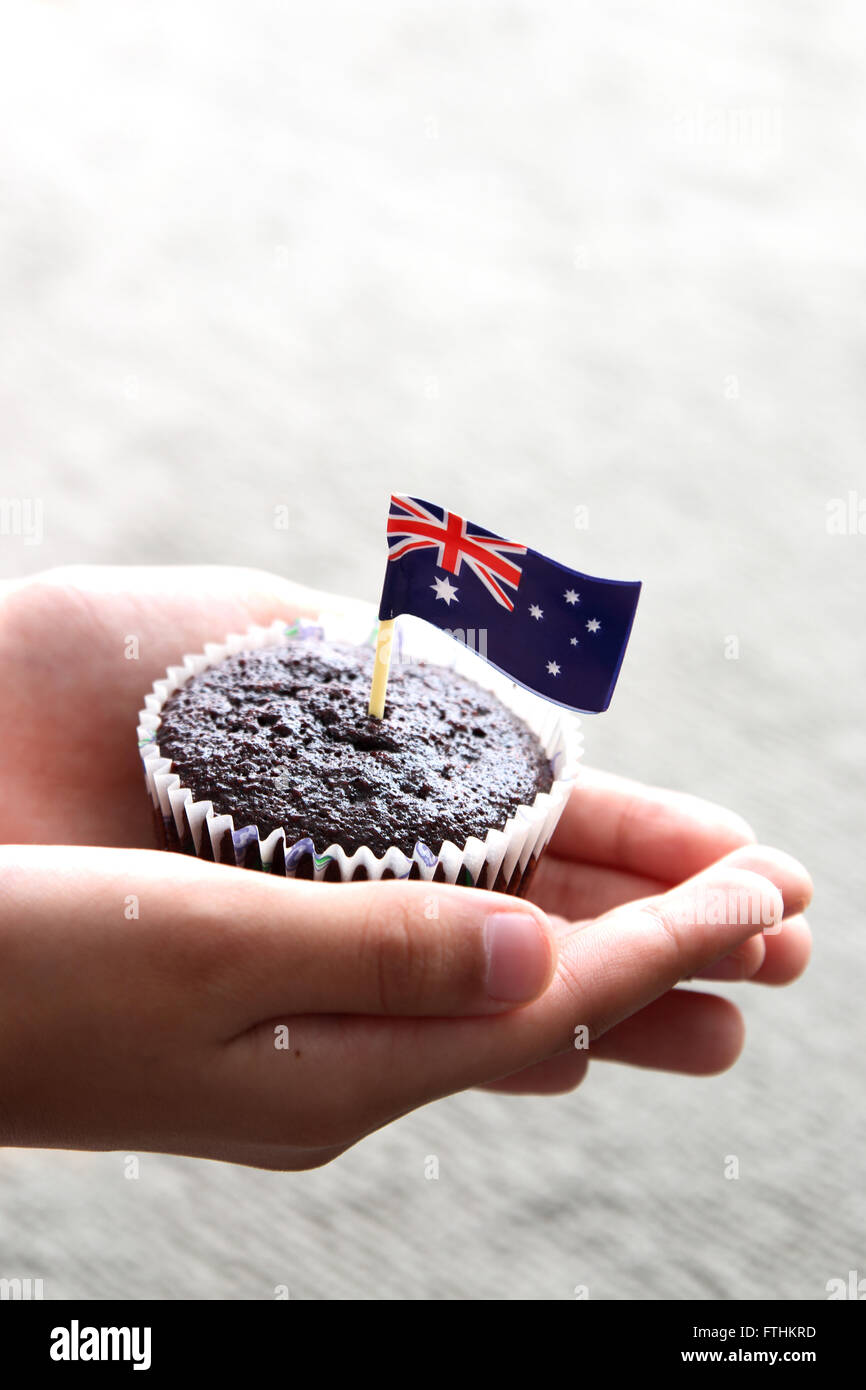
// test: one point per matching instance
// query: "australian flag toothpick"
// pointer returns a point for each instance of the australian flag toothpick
(551, 629)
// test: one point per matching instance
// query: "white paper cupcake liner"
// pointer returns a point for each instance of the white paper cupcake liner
(504, 859)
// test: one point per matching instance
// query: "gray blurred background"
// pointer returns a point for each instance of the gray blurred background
(594, 276)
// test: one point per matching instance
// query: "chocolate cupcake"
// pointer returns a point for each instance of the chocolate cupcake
(261, 753)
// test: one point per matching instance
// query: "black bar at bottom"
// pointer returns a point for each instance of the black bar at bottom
(164, 1338)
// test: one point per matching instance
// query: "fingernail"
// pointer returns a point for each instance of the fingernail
(518, 956)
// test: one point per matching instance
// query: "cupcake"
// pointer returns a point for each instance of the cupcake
(261, 753)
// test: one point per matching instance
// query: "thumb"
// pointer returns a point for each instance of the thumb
(606, 971)
(395, 948)
(258, 947)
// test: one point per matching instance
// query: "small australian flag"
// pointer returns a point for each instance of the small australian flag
(551, 629)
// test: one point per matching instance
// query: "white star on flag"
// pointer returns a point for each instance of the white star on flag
(444, 589)
(571, 597)
(574, 641)
(535, 611)
(552, 668)
(593, 625)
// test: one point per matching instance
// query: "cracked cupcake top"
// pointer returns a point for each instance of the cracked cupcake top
(280, 736)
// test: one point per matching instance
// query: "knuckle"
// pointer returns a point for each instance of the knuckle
(580, 1009)
(390, 939)
(667, 926)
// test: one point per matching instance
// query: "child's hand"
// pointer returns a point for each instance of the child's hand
(153, 1001)
(158, 1031)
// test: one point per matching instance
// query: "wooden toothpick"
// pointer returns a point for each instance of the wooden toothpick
(381, 663)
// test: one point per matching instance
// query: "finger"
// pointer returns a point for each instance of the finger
(740, 964)
(787, 954)
(580, 891)
(683, 1031)
(749, 960)
(664, 835)
(632, 955)
(769, 959)
(791, 877)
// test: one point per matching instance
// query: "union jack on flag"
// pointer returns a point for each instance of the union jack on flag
(554, 630)
(414, 525)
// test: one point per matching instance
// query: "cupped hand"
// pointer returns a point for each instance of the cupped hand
(619, 919)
